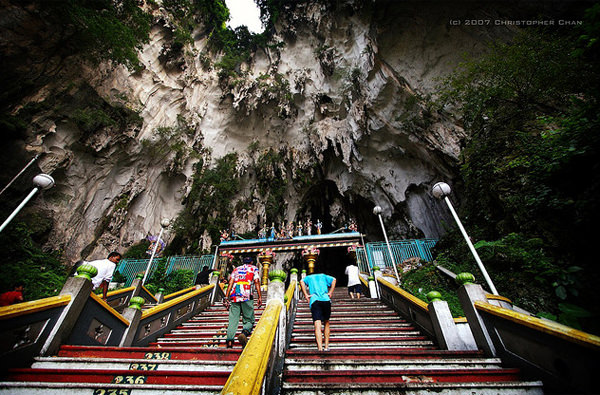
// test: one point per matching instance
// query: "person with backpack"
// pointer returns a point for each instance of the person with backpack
(238, 299)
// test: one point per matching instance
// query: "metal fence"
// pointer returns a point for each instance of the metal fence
(377, 254)
(130, 268)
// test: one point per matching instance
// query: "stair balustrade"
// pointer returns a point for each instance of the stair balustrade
(79, 317)
(257, 370)
(564, 358)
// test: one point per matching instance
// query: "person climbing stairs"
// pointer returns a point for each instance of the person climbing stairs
(191, 358)
(372, 349)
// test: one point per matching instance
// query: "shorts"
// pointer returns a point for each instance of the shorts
(356, 289)
(320, 310)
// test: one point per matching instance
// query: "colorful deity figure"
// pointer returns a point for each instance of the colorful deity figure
(353, 227)
(308, 226)
(281, 232)
(224, 235)
(319, 225)
(299, 228)
(155, 243)
(273, 231)
(290, 230)
(262, 233)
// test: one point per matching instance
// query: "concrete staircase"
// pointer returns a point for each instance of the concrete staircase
(190, 359)
(374, 351)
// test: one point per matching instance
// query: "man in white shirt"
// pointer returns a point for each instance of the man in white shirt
(353, 281)
(105, 267)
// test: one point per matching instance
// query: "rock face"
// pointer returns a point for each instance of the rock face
(342, 101)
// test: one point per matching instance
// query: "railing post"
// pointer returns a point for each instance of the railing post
(443, 324)
(133, 313)
(214, 279)
(79, 287)
(294, 277)
(137, 283)
(373, 288)
(276, 294)
(376, 274)
(468, 294)
(160, 295)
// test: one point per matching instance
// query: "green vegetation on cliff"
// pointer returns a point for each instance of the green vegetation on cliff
(530, 167)
(208, 206)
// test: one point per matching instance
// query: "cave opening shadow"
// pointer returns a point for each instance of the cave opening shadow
(331, 261)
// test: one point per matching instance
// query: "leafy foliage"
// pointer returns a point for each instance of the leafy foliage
(530, 167)
(103, 29)
(171, 142)
(138, 250)
(173, 282)
(208, 206)
(118, 277)
(427, 278)
(271, 180)
(41, 272)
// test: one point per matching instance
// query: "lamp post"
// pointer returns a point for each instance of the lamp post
(164, 223)
(41, 181)
(441, 190)
(377, 211)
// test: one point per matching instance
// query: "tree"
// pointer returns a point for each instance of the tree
(530, 165)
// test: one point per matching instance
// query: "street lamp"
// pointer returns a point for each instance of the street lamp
(377, 211)
(41, 181)
(441, 190)
(164, 223)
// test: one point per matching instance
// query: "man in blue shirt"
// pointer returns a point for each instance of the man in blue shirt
(317, 289)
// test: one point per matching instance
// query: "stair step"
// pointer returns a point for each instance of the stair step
(42, 388)
(356, 320)
(366, 345)
(386, 354)
(401, 376)
(119, 376)
(381, 337)
(358, 325)
(130, 364)
(360, 332)
(299, 364)
(415, 388)
(151, 353)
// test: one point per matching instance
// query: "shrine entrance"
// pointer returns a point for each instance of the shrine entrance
(331, 252)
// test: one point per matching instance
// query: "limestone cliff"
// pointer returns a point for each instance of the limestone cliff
(340, 97)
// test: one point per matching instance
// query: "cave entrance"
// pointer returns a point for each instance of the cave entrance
(333, 248)
(333, 261)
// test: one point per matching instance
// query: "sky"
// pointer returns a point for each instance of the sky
(244, 12)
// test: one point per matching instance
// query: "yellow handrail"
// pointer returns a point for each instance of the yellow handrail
(171, 303)
(119, 291)
(174, 294)
(549, 327)
(249, 371)
(498, 297)
(149, 293)
(290, 294)
(112, 311)
(33, 306)
(416, 301)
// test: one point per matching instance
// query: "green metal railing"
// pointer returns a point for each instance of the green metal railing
(377, 254)
(130, 268)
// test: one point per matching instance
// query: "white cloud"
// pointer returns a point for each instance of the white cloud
(244, 12)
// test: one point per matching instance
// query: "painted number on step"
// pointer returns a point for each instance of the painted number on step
(143, 366)
(112, 391)
(157, 355)
(129, 380)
